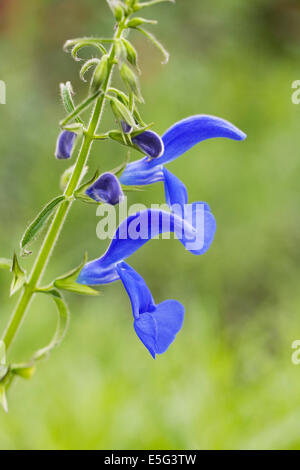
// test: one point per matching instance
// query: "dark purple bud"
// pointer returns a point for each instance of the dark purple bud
(126, 127)
(106, 189)
(150, 143)
(64, 145)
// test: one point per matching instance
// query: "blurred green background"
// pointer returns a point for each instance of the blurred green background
(228, 381)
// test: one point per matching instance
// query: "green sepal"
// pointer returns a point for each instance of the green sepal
(68, 282)
(25, 371)
(139, 6)
(5, 263)
(118, 136)
(80, 195)
(136, 22)
(39, 222)
(156, 43)
(131, 81)
(76, 127)
(131, 52)
(61, 328)
(66, 92)
(121, 111)
(86, 67)
(19, 276)
(100, 74)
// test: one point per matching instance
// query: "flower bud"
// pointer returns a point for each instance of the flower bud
(150, 143)
(100, 74)
(122, 112)
(106, 189)
(64, 145)
(126, 127)
(131, 52)
(130, 79)
(116, 8)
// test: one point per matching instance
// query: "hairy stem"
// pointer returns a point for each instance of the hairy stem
(62, 212)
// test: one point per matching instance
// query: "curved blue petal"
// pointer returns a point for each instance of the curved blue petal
(187, 133)
(140, 296)
(141, 172)
(199, 216)
(175, 191)
(131, 235)
(181, 137)
(157, 330)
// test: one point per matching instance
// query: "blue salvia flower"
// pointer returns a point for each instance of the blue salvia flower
(64, 145)
(151, 222)
(181, 137)
(106, 189)
(155, 325)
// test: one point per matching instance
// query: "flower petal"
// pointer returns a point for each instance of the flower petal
(150, 143)
(137, 290)
(142, 172)
(177, 140)
(175, 191)
(157, 330)
(106, 189)
(199, 216)
(131, 235)
(187, 133)
(64, 145)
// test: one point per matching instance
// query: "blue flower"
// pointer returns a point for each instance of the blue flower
(64, 145)
(150, 143)
(194, 232)
(155, 325)
(106, 189)
(178, 140)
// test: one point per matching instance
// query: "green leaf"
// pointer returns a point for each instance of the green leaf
(19, 276)
(5, 263)
(61, 328)
(39, 222)
(68, 282)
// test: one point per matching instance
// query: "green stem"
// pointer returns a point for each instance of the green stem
(62, 212)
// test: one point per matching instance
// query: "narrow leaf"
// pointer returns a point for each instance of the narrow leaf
(19, 276)
(39, 222)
